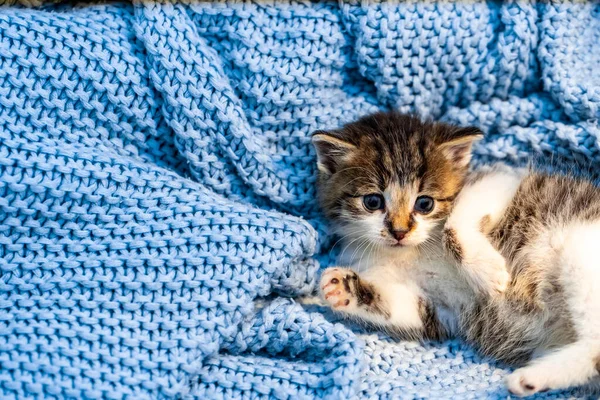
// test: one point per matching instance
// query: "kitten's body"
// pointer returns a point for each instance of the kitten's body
(452, 280)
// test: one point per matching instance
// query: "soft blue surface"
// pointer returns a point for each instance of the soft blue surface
(142, 146)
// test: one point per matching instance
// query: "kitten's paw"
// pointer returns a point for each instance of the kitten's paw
(490, 272)
(526, 382)
(335, 288)
(498, 276)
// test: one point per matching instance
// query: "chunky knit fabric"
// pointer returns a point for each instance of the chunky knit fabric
(157, 180)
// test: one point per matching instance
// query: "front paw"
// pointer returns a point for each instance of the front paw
(335, 288)
(488, 270)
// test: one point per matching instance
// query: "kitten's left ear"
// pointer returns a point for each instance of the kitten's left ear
(332, 151)
(458, 148)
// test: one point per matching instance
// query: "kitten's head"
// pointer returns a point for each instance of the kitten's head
(389, 178)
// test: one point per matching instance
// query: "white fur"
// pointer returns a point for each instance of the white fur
(421, 233)
(400, 295)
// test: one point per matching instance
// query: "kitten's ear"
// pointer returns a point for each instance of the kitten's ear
(331, 151)
(458, 148)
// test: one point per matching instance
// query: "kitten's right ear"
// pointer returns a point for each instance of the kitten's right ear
(331, 151)
(458, 148)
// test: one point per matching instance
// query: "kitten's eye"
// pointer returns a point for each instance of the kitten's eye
(373, 202)
(424, 204)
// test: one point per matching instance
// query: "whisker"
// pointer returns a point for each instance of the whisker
(359, 246)
(363, 254)
(349, 244)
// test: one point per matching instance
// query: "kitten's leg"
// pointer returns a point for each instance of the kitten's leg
(579, 277)
(399, 308)
(569, 366)
(478, 208)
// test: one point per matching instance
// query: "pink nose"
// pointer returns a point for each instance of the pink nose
(399, 234)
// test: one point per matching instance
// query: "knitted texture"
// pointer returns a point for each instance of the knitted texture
(157, 193)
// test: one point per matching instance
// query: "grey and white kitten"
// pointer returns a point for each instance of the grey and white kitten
(504, 258)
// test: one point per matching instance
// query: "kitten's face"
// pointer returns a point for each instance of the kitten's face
(389, 179)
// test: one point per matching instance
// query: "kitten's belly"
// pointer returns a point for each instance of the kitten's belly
(447, 290)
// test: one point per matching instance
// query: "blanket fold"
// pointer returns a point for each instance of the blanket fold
(157, 193)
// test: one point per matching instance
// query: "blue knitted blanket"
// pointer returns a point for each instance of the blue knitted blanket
(157, 200)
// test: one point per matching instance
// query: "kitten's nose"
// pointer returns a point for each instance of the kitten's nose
(399, 234)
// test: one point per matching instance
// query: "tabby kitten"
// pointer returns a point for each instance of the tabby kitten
(504, 258)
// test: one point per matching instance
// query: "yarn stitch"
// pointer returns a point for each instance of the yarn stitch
(157, 201)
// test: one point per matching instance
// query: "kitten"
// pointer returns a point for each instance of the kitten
(504, 258)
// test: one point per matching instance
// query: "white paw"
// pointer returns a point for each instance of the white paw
(335, 288)
(526, 382)
(492, 277)
(498, 275)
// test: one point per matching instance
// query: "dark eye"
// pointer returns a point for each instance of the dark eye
(424, 204)
(373, 202)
